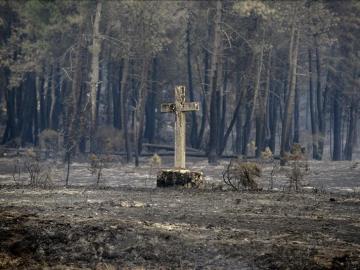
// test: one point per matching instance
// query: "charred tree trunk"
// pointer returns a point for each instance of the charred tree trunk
(274, 110)
(53, 96)
(140, 110)
(297, 116)
(214, 121)
(125, 108)
(43, 98)
(117, 71)
(94, 75)
(238, 123)
(205, 89)
(222, 110)
(255, 99)
(11, 128)
(350, 138)
(72, 102)
(289, 103)
(108, 91)
(29, 100)
(261, 119)
(194, 128)
(58, 100)
(312, 110)
(319, 103)
(234, 118)
(150, 125)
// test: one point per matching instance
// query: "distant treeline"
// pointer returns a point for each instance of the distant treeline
(266, 73)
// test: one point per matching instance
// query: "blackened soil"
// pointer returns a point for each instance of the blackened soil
(79, 228)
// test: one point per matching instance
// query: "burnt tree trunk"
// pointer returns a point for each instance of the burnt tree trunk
(214, 121)
(238, 123)
(11, 127)
(261, 119)
(194, 128)
(222, 110)
(205, 90)
(125, 108)
(254, 104)
(116, 78)
(350, 138)
(140, 110)
(29, 88)
(94, 72)
(273, 118)
(289, 102)
(319, 103)
(150, 123)
(312, 109)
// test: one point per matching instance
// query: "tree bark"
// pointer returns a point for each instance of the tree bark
(289, 103)
(53, 97)
(350, 138)
(319, 102)
(140, 110)
(117, 71)
(205, 90)
(125, 108)
(297, 115)
(43, 98)
(255, 99)
(94, 77)
(274, 104)
(150, 123)
(194, 128)
(234, 118)
(27, 135)
(261, 121)
(238, 124)
(214, 121)
(312, 109)
(223, 109)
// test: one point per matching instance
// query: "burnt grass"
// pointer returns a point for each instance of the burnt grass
(139, 228)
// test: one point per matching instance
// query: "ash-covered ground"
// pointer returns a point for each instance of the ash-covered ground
(127, 223)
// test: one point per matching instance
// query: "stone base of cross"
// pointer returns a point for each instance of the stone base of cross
(179, 175)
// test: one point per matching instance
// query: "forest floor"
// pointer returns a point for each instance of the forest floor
(127, 223)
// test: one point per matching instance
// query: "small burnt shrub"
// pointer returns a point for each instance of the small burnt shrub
(155, 161)
(39, 174)
(16, 172)
(241, 175)
(252, 148)
(49, 140)
(268, 157)
(96, 165)
(32, 167)
(298, 167)
(109, 139)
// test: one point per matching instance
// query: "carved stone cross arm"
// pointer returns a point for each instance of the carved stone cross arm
(179, 107)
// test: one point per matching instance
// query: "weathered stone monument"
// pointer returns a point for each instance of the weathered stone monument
(179, 175)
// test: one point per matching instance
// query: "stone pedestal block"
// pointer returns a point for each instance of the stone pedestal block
(179, 177)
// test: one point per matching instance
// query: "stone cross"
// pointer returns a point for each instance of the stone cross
(179, 108)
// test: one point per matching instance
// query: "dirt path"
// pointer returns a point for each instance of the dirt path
(177, 229)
